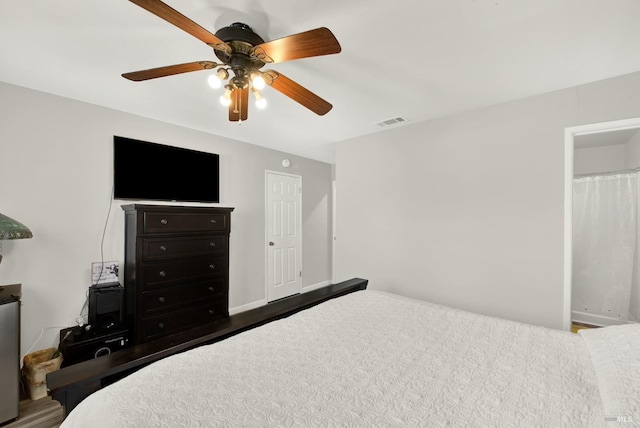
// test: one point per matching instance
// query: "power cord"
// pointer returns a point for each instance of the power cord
(40, 337)
(104, 232)
(80, 318)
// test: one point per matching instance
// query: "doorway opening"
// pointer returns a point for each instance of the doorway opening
(600, 258)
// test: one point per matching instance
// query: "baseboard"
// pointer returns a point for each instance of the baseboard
(247, 307)
(262, 302)
(598, 320)
(315, 286)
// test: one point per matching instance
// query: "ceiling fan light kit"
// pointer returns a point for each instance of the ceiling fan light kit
(243, 53)
(260, 101)
(216, 79)
(225, 99)
(258, 80)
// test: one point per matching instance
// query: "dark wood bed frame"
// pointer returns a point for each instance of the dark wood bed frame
(70, 385)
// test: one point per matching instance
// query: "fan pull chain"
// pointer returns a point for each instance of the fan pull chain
(237, 106)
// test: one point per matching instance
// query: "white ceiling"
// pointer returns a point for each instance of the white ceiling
(418, 59)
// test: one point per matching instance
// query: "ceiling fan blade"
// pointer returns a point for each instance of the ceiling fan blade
(320, 41)
(239, 107)
(174, 17)
(169, 70)
(296, 92)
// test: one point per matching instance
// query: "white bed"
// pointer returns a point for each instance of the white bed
(379, 360)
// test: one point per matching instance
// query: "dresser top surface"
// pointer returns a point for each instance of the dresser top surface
(176, 208)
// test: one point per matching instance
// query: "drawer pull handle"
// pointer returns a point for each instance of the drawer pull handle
(212, 244)
(163, 248)
(161, 299)
(211, 289)
(162, 273)
(160, 325)
(164, 221)
(213, 220)
(210, 311)
(212, 266)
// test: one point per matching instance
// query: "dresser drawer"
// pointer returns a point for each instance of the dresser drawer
(193, 293)
(157, 248)
(169, 222)
(172, 322)
(163, 273)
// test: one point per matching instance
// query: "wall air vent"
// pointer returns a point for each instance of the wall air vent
(391, 122)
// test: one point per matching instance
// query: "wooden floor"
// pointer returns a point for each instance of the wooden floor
(575, 326)
(42, 413)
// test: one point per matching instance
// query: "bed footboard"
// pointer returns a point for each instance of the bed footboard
(70, 385)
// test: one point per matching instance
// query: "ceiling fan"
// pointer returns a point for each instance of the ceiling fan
(243, 52)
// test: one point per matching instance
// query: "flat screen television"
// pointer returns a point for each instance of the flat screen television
(150, 171)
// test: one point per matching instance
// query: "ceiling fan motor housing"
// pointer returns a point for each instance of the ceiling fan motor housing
(242, 39)
(239, 32)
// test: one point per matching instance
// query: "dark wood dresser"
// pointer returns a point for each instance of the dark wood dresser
(176, 272)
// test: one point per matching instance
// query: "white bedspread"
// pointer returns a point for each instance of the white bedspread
(368, 359)
(615, 354)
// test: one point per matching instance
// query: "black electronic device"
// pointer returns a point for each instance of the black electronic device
(150, 171)
(106, 307)
(79, 344)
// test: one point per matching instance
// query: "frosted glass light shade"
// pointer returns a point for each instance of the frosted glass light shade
(258, 82)
(214, 81)
(225, 99)
(260, 101)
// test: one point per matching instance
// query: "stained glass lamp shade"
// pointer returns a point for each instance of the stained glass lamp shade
(11, 229)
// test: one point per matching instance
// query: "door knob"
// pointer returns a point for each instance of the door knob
(271, 244)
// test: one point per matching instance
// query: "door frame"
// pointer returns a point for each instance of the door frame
(333, 231)
(569, 146)
(266, 228)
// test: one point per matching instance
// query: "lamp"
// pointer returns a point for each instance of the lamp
(245, 76)
(215, 80)
(257, 80)
(260, 101)
(11, 229)
(225, 99)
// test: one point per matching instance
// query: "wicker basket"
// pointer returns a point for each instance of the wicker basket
(35, 368)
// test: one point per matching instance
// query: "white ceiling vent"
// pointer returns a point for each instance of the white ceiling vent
(391, 122)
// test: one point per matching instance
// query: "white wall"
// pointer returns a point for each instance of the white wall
(468, 210)
(600, 159)
(56, 177)
(614, 157)
(633, 151)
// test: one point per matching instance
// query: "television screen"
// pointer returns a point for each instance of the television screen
(149, 171)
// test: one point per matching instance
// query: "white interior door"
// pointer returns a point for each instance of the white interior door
(284, 235)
